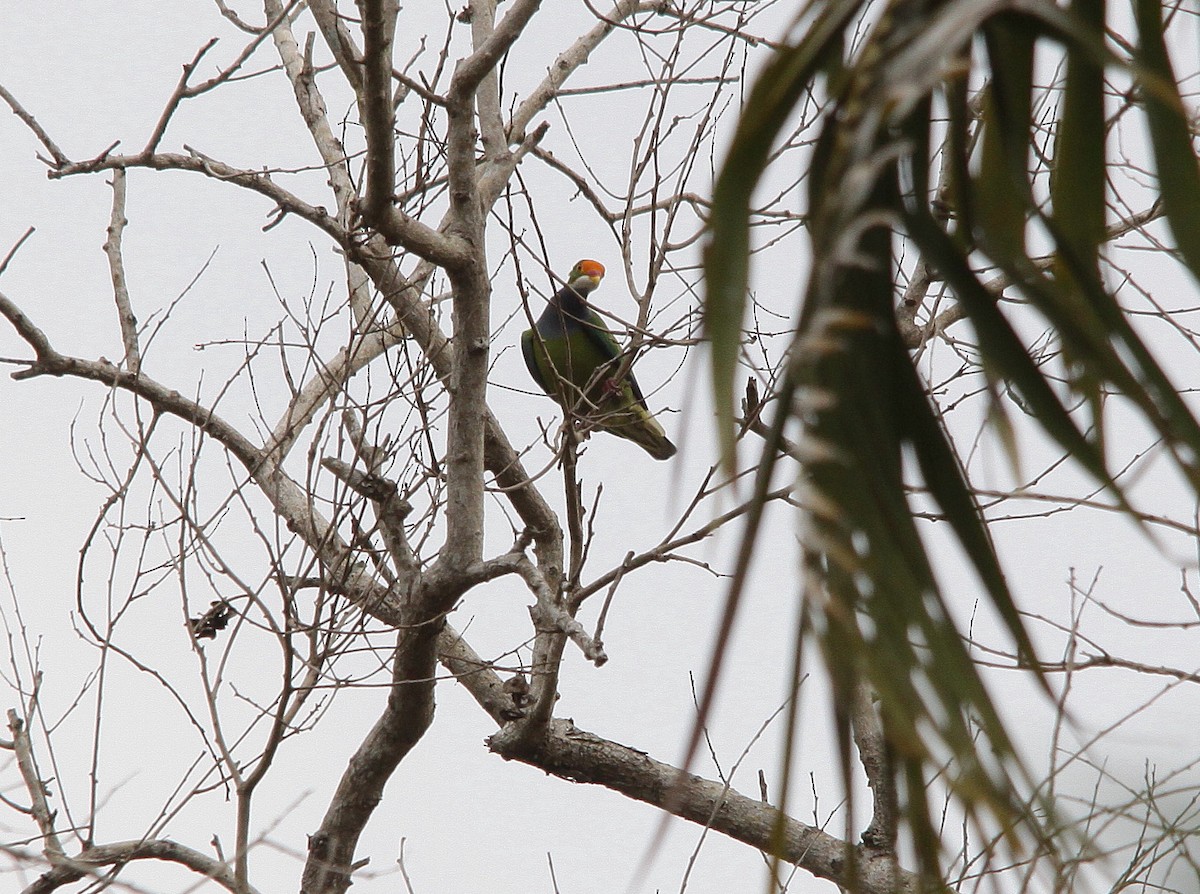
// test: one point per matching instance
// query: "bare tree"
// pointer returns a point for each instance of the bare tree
(307, 515)
(363, 461)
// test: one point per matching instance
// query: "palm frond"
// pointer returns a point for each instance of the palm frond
(876, 607)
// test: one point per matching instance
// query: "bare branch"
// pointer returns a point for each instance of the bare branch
(56, 154)
(471, 346)
(312, 109)
(391, 509)
(91, 860)
(477, 676)
(39, 806)
(288, 498)
(407, 715)
(566, 64)
(549, 616)
(378, 115)
(177, 97)
(662, 552)
(571, 753)
(867, 727)
(260, 34)
(340, 42)
(12, 252)
(471, 71)
(116, 266)
(236, 19)
(198, 162)
(487, 96)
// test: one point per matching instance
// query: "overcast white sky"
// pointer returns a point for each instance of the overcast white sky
(94, 73)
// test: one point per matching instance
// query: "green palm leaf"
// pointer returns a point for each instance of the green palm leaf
(872, 598)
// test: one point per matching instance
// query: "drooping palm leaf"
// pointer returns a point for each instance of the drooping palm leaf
(727, 256)
(1167, 117)
(877, 610)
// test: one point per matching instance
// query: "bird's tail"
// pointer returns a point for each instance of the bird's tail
(637, 425)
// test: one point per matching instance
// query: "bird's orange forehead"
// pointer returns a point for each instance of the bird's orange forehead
(591, 268)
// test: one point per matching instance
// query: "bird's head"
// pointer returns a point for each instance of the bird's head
(585, 276)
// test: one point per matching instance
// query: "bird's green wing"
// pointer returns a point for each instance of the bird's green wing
(563, 365)
(603, 341)
(534, 359)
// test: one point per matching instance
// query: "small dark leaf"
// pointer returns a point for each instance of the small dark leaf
(217, 618)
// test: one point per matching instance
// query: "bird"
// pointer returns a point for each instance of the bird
(575, 359)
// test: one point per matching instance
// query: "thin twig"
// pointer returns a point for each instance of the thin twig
(598, 636)
(57, 154)
(176, 98)
(12, 252)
